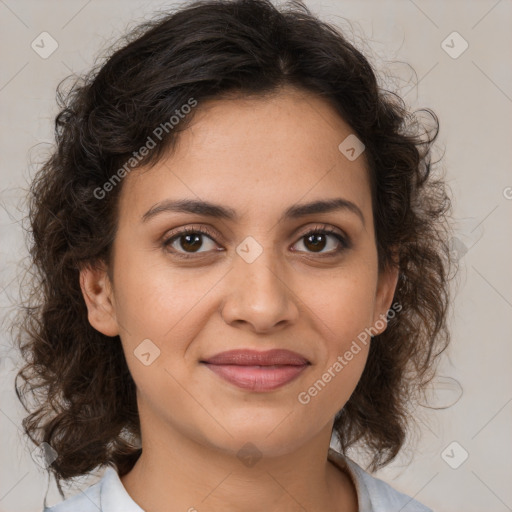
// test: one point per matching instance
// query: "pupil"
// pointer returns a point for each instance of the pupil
(196, 240)
(317, 246)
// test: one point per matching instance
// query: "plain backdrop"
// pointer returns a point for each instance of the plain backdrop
(461, 459)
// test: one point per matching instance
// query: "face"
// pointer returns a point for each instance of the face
(256, 278)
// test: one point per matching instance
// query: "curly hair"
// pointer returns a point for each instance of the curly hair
(85, 401)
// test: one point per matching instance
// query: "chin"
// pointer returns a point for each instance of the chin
(261, 438)
(249, 449)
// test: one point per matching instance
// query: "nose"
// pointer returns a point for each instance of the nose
(259, 295)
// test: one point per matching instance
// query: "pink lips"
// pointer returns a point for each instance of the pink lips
(257, 371)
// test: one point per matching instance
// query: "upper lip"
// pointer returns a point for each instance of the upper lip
(257, 358)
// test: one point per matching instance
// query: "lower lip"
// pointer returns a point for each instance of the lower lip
(257, 378)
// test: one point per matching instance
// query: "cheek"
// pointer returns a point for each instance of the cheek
(343, 304)
(157, 301)
(343, 310)
(169, 307)
(330, 388)
(343, 356)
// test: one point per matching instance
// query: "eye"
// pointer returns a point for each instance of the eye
(317, 239)
(189, 240)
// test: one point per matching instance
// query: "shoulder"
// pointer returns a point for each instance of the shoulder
(374, 494)
(107, 495)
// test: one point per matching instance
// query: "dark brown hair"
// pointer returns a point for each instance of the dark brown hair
(85, 405)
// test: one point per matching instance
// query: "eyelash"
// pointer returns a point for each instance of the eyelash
(203, 230)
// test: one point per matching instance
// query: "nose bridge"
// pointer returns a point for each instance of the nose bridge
(258, 293)
(258, 266)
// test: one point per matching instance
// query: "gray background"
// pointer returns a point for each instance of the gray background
(472, 95)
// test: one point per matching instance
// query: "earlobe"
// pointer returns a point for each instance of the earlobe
(99, 299)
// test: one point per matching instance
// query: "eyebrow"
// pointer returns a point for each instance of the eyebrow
(217, 211)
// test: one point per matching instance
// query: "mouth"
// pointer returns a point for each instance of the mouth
(257, 371)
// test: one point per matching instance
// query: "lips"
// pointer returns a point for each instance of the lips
(256, 358)
(257, 371)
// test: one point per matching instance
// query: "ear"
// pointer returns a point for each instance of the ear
(99, 299)
(386, 286)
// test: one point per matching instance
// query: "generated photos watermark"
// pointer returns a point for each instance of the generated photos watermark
(304, 397)
(137, 156)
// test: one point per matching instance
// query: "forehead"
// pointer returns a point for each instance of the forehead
(256, 155)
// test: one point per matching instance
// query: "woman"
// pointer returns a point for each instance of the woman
(241, 253)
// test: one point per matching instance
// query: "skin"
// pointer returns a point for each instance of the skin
(257, 156)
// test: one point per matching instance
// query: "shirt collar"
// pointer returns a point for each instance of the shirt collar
(355, 473)
(114, 496)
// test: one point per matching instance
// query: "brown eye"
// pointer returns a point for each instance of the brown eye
(317, 240)
(188, 241)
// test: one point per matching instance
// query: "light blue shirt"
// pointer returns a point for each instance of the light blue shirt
(373, 494)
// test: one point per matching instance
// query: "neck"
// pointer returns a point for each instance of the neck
(176, 473)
